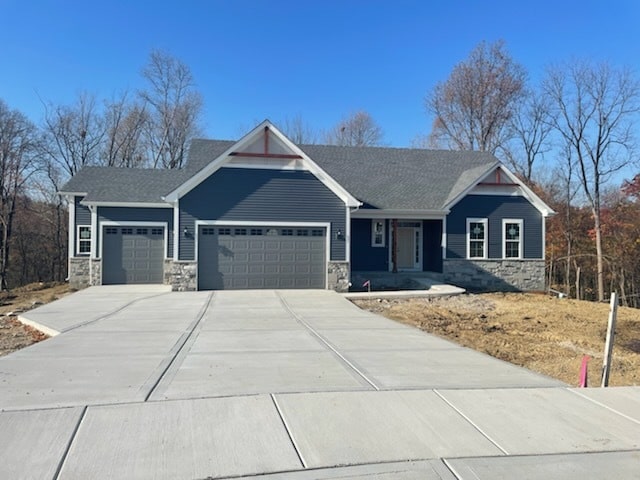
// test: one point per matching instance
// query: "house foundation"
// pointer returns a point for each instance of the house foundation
(495, 275)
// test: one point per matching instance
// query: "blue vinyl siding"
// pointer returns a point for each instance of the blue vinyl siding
(495, 208)
(83, 214)
(241, 194)
(432, 245)
(364, 257)
(128, 214)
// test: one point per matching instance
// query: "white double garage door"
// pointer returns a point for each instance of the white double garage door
(229, 257)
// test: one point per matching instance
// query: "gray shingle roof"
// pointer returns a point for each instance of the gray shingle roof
(385, 178)
(112, 184)
(401, 178)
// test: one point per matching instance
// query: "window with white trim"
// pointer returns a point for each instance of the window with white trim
(512, 238)
(477, 237)
(83, 240)
(378, 231)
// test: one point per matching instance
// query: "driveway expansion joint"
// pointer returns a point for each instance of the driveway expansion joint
(473, 424)
(182, 342)
(56, 476)
(325, 342)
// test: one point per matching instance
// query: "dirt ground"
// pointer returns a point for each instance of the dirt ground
(545, 334)
(13, 334)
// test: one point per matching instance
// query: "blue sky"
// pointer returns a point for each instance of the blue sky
(275, 59)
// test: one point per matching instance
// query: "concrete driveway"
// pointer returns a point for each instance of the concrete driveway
(145, 383)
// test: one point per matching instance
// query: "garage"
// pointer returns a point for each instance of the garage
(132, 255)
(255, 257)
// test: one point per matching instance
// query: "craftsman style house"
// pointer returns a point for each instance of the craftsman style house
(263, 212)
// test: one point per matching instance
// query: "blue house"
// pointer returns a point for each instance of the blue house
(263, 212)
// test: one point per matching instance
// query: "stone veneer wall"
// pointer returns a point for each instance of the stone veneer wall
(79, 276)
(495, 275)
(84, 272)
(181, 275)
(96, 271)
(338, 276)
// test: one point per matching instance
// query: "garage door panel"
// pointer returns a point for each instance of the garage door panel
(238, 259)
(132, 255)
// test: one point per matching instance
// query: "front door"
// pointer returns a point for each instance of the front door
(409, 246)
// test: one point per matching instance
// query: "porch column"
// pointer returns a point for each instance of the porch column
(394, 245)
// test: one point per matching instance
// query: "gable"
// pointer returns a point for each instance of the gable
(499, 181)
(265, 147)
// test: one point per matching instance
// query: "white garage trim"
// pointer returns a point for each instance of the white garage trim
(109, 223)
(243, 223)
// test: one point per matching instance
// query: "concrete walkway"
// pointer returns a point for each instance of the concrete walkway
(287, 384)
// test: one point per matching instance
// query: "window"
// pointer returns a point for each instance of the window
(142, 231)
(317, 233)
(157, 231)
(377, 233)
(84, 239)
(287, 232)
(240, 231)
(477, 238)
(111, 231)
(302, 233)
(512, 235)
(256, 231)
(127, 231)
(208, 231)
(224, 231)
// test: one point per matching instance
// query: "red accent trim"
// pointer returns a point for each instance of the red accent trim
(498, 176)
(491, 184)
(262, 155)
(266, 140)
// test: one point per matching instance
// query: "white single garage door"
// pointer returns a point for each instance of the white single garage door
(132, 255)
(253, 257)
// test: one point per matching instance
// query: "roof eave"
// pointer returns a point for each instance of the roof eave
(399, 213)
(96, 203)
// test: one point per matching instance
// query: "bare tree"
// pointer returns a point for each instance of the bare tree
(299, 131)
(595, 108)
(530, 127)
(74, 133)
(357, 130)
(474, 106)
(174, 108)
(124, 127)
(18, 161)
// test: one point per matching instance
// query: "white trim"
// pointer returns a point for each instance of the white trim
(520, 222)
(71, 232)
(485, 249)
(493, 190)
(164, 225)
(94, 229)
(444, 238)
(126, 204)
(544, 238)
(244, 223)
(176, 231)
(91, 240)
(374, 221)
(217, 163)
(73, 194)
(527, 193)
(400, 214)
(347, 242)
(261, 223)
(265, 166)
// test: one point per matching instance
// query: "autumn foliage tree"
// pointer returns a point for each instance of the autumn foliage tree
(473, 108)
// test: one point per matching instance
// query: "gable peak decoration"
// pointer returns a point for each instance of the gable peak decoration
(266, 145)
